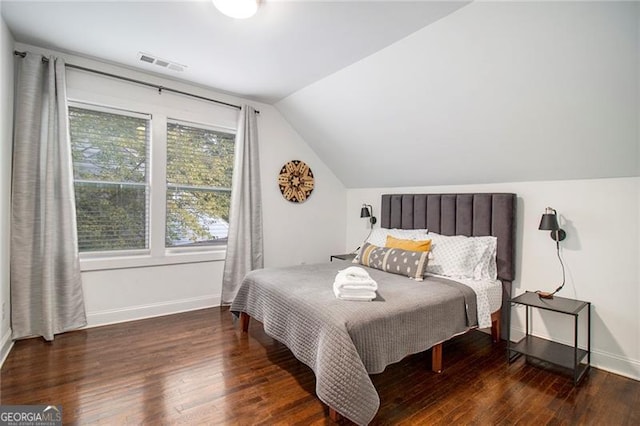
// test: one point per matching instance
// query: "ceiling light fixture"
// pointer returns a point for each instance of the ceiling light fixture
(239, 9)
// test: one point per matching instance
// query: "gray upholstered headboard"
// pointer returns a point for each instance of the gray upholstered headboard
(479, 214)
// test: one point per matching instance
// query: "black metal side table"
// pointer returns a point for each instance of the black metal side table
(572, 358)
(347, 256)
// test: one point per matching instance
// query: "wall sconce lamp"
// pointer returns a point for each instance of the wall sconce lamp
(367, 211)
(549, 222)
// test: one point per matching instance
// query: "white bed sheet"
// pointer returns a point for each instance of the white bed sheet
(488, 294)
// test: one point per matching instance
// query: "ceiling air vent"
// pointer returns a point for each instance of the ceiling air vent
(150, 59)
(146, 58)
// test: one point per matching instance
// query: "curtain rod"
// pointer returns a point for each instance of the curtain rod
(144, 83)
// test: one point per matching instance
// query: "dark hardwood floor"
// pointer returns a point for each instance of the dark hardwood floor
(197, 368)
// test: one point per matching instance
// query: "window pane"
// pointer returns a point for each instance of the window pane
(111, 216)
(109, 163)
(197, 217)
(199, 173)
(199, 157)
(108, 147)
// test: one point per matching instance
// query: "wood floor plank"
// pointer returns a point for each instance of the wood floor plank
(199, 368)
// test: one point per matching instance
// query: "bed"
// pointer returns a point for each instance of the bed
(345, 342)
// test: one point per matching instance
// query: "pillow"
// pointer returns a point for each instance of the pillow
(487, 268)
(413, 245)
(396, 261)
(456, 256)
(378, 236)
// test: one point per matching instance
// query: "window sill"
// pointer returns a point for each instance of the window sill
(147, 260)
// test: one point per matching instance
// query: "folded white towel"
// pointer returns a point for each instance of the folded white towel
(354, 278)
(355, 273)
(354, 283)
(355, 295)
(356, 287)
(343, 282)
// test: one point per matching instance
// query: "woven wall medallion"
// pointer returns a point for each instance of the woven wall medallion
(296, 181)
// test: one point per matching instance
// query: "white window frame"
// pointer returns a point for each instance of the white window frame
(147, 183)
(157, 254)
(192, 249)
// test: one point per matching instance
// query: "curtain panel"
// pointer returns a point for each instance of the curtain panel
(245, 245)
(46, 290)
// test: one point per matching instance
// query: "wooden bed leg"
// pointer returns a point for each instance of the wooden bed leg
(334, 415)
(244, 321)
(495, 326)
(436, 358)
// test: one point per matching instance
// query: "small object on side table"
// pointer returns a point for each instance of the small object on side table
(348, 257)
(567, 357)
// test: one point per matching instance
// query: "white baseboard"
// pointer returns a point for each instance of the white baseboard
(5, 346)
(132, 313)
(613, 363)
(616, 364)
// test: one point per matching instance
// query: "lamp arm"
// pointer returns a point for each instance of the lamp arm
(562, 265)
(546, 295)
(372, 218)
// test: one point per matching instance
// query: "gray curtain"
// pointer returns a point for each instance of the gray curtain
(46, 291)
(244, 248)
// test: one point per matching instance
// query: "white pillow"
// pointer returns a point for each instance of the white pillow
(459, 256)
(378, 236)
(487, 269)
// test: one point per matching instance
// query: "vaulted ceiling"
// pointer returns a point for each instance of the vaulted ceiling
(495, 92)
(394, 93)
(284, 47)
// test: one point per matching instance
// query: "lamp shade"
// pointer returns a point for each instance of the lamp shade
(364, 212)
(239, 9)
(549, 222)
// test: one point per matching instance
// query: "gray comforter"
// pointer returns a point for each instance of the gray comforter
(344, 341)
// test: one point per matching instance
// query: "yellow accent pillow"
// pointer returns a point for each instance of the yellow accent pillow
(422, 245)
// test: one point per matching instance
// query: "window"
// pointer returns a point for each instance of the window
(199, 173)
(110, 150)
(143, 200)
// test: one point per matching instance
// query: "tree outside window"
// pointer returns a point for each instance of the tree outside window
(199, 173)
(110, 150)
(110, 154)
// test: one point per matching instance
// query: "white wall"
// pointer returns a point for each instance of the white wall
(305, 233)
(293, 234)
(6, 138)
(601, 254)
(533, 86)
(638, 186)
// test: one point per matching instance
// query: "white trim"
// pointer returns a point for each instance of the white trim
(6, 344)
(170, 257)
(616, 364)
(113, 254)
(132, 313)
(158, 188)
(203, 126)
(108, 109)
